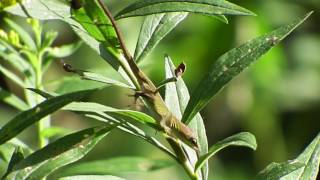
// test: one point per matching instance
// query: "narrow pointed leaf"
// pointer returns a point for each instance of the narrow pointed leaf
(12, 100)
(12, 76)
(59, 153)
(95, 21)
(208, 7)
(92, 177)
(311, 157)
(153, 30)
(308, 169)
(16, 157)
(177, 97)
(113, 112)
(103, 79)
(118, 165)
(31, 116)
(231, 64)
(244, 139)
(41, 9)
(279, 171)
(65, 50)
(80, 22)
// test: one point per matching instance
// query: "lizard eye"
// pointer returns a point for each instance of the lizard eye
(194, 141)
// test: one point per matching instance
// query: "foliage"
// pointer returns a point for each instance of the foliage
(31, 56)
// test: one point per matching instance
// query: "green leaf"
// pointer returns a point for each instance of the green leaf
(279, 171)
(113, 112)
(12, 100)
(41, 9)
(231, 64)
(130, 129)
(118, 165)
(242, 139)
(153, 30)
(24, 35)
(59, 153)
(12, 76)
(92, 177)
(16, 157)
(208, 7)
(72, 84)
(95, 21)
(304, 167)
(311, 157)
(65, 50)
(91, 35)
(54, 131)
(13, 57)
(176, 98)
(102, 79)
(31, 116)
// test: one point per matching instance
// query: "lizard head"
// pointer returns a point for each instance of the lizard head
(186, 135)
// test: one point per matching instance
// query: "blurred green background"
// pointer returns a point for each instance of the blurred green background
(277, 99)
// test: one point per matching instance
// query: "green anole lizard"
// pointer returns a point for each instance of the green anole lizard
(169, 122)
(171, 125)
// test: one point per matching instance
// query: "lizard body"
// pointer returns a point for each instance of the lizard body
(169, 122)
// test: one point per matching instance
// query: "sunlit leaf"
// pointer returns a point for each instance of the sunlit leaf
(95, 21)
(12, 100)
(117, 165)
(102, 79)
(177, 97)
(12, 76)
(59, 153)
(113, 112)
(213, 7)
(242, 139)
(54, 131)
(24, 35)
(65, 50)
(41, 9)
(31, 116)
(153, 30)
(16, 157)
(92, 177)
(279, 171)
(231, 64)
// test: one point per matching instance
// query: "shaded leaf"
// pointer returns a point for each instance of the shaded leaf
(153, 30)
(92, 177)
(231, 64)
(242, 139)
(208, 7)
(59, 153)
(117, 165)
(176, 98)
(31, 116)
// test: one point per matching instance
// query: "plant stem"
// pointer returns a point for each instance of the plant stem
(181, 156)
(41, 125)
